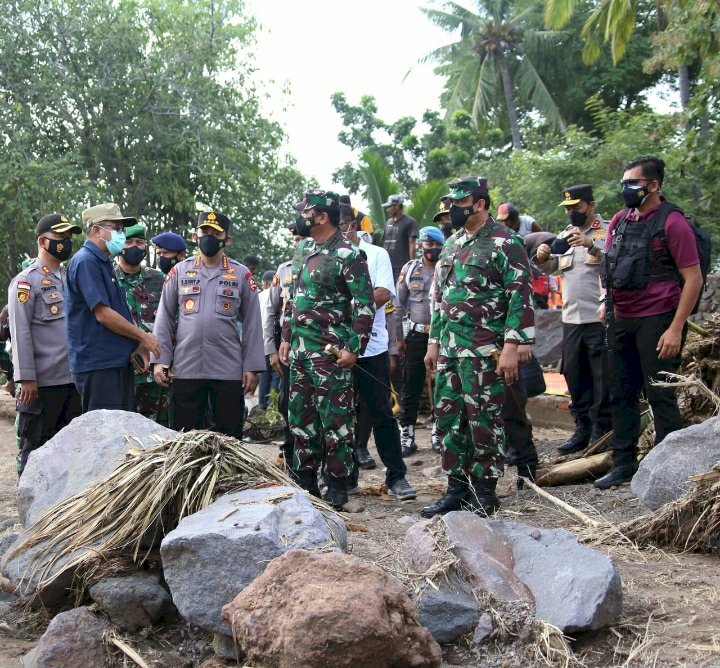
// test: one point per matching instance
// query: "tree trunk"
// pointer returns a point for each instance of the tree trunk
(510, 100)
(684, 86)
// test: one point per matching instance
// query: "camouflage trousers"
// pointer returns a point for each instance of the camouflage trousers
(320, 415)
(468, 399)
(152, 402)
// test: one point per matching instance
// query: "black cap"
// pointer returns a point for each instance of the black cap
(56, 222)
(218, 221)
(576, 194)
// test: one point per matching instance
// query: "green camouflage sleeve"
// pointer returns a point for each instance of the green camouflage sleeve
(515, 268)
(435, 301)
(357, 278)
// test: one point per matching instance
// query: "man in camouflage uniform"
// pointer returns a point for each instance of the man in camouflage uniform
(143, 288)
(481, 304)
(331, 302)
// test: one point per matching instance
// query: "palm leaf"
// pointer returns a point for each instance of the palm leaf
(532, 87)
(489, 88)
(425, 202)
(379, 185)
(559, 12)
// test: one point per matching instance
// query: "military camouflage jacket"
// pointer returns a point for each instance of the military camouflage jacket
(142, 291)
(482, 294)
(331, 299)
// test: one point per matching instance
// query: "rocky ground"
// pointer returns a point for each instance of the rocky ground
(671, 600)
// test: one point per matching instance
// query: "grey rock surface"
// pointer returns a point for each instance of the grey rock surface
(548, 336)
(664, 472)
(484, 628)
(575, 588)
(73, 638)
(85, 452)
(213, 555)
(133, 602)
(449, 611)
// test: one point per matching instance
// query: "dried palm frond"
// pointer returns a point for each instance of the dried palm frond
(151, 491)
(692, 523)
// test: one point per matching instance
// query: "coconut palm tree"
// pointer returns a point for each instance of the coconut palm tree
(488, 66)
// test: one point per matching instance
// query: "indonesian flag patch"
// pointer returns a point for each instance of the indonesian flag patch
(23, 291)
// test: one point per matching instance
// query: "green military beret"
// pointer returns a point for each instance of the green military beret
(135, 232)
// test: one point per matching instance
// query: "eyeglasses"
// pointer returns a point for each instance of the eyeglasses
(115, 228)
(632, 182)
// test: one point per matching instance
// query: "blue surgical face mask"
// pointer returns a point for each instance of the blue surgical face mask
(116, 242)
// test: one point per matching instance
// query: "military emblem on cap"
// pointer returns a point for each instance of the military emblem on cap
(576, 194)
(315, 198)
(218, 221)
(56, 222)
(442, 210)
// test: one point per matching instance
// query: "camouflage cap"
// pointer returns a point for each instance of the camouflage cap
(315, 198)
(468, 185)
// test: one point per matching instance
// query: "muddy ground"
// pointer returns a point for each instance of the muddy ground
(671, 600)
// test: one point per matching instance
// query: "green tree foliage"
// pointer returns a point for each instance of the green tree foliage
(146, 103)
(489, 69)
(378, 185)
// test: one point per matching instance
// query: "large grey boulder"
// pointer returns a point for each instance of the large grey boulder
(85, 452)
(664, 472)
(214, 554)
(548, 336)
(575, 588)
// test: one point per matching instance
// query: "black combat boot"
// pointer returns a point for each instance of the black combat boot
(336, 494)
(599, 429)
(457, 491)
(307, 479)
(526, 471)
(622, 471)
(579, 440)
(481, 497)
(364, 458)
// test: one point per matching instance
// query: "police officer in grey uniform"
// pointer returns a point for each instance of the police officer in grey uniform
(577, 253)
(47, 400)
(274, 309)
(413, 301)
(209, 296)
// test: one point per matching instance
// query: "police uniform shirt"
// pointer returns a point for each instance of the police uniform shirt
(275, 306)
(413, 290)
(209, 304)
(36, 305)
(580, 269)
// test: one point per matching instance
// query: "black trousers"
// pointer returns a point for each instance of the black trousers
(585, 368)
(110, 389)
(413, 379)
(377, 401)
(519, 444)
(633, 364)
(190, 402)
(39, 421)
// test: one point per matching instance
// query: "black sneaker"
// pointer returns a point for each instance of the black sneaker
(402, 490)
(364, 459)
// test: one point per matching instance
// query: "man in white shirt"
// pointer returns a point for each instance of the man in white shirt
(269, 380)
(372, 378)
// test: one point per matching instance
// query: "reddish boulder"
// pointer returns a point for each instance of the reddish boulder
(315, 609)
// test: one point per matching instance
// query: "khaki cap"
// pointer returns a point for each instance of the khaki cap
(105, 212)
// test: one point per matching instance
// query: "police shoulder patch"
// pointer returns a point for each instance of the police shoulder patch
(251, 280)
(171, 273)
(23, 291)
(275, 280)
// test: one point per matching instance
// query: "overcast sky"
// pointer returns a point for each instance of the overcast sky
(318, 47)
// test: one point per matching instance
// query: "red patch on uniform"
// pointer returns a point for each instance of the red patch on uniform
(171, 273)
(251, 279)
(275, 280)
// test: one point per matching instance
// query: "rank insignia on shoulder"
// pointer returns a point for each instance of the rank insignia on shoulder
(46, 270)
(595, 224)
(401, 277)
(23, 292)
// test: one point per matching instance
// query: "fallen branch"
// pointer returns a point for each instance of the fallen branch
(128, 651)
(562, 504)
(576, 469)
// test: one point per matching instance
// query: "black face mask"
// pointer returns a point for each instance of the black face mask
(165, 264)
(459, 215)
(60, 248)
(634, 196)
(133, 255)
(577, 218)
(432, 254)
(304, 225)
(210, 246)
(446, 229)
